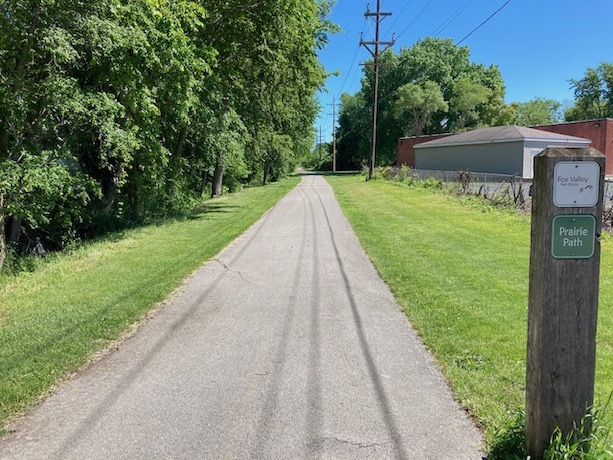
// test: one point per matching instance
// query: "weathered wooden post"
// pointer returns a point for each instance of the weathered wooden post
(562, 310)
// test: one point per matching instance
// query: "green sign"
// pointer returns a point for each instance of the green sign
(573, 236)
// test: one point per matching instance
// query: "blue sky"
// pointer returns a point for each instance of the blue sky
(539, 45)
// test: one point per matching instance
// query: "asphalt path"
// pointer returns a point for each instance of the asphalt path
(287, 345)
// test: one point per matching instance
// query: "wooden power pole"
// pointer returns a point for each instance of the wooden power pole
(333, 133)
(375, 48)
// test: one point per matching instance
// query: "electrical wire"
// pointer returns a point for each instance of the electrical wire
(372, 32)
(479, 26)
(355, 56)
(396, 18)
(414, 20)
(451, 18)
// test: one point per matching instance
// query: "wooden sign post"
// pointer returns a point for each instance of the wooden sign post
(563, 297)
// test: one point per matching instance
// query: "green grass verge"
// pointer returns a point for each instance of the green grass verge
(460, 272)
(54, 319)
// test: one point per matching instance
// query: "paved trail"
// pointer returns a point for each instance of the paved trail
(288, 345)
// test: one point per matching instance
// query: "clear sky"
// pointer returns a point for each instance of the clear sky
(539, 45)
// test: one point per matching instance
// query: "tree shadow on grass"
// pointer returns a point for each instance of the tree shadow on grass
(201, 211)
(329, 173)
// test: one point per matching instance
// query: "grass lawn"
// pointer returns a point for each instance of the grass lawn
(461, 275)
(53, 320)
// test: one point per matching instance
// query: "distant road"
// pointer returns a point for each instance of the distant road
(288, 345)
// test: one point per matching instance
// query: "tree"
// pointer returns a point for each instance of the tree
(449, 65)
(38, 179)
(593, 94)
(473, 94)
(416, 103)
(537, 111)
(353, 132)
(268, 72)
(118, 110)
(467, 97)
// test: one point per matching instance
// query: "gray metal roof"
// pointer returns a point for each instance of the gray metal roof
(502, 134)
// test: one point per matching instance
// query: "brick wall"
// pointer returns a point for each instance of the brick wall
(406, 152)
(600, 132)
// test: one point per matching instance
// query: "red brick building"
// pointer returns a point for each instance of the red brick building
(600, 132)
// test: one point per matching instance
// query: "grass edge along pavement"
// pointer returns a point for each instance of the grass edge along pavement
(55, 319)
(460, 273)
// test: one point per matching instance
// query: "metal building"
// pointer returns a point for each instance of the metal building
(500, 150)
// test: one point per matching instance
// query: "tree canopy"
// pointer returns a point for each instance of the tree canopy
(593, 94)
(537, 111)
(432, 87)
(415, 103)
(116, 111)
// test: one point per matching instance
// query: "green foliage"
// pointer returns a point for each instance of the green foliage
(430, 88)
(466, 99)
(118, 111)
(537, 111)
(509, 442)
(591, 440)
(320, 158)
(593, 94)
(415, 103)
(407, 176)
(354, 125)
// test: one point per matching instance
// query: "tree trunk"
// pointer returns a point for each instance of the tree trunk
(20, 66)
(15, 229)
(217, 179)
(265, 175)
(178, 151)
(2, 234)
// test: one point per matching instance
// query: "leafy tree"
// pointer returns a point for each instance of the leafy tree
(353, 132)
(537, 111)
(467, 97)
(416, 103)
(449, 65)
(36, 178)
(270, 80)
(117, 110)
(593, 94)
(473, 95)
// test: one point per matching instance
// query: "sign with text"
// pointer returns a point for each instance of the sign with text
(576, 184)
(573, 236)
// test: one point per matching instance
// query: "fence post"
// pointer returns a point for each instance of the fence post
(563, 294)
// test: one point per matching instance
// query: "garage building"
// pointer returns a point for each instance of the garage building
(501, 150)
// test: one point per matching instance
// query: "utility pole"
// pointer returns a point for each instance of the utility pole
(333, 133)
(376, 52)
(319, 144)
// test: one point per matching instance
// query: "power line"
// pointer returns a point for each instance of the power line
(340, 91)
(451, 18)
(334, 104)
(397, 17)
(421, 12)
(479, 26)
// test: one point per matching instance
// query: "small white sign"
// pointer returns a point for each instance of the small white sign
(576, 184)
